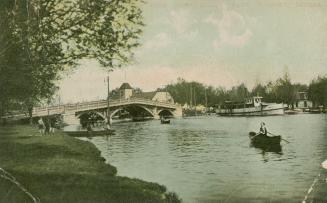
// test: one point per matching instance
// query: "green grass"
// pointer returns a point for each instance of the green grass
(59, 168)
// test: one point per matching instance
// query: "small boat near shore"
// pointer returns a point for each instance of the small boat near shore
(264, 140)
(90, 133)
(165, 121)
(252, 107)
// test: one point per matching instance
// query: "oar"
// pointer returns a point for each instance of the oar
(256, 134)
(279, 135)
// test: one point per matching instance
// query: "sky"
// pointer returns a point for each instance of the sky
(215, 42)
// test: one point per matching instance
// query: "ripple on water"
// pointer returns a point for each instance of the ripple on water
(210, 159)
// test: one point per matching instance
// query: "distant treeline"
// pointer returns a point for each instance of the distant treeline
(281, 90)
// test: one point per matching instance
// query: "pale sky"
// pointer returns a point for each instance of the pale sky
(216, 42)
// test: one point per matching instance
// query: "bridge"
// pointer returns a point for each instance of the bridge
(135, 106)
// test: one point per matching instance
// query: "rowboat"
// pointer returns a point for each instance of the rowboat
(264, 140)
(92, 133)
(165, 121)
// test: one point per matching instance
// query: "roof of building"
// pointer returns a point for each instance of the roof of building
(144, 95)
(125, 85)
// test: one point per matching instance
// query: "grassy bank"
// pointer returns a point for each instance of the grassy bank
(59, 168)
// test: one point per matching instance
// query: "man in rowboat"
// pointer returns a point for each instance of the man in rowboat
(263, 129)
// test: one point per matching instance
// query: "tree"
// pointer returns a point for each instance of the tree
(259, 90)
(318, 91)
(192, 93)
(285, 91)
(221, 95)
(238, 93)
(48, 36)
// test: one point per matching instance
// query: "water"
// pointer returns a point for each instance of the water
(209, 159)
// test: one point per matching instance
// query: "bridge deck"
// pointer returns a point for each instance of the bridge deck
(93, 105)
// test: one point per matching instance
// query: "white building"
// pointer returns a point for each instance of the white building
(302, 101)
(126, 92)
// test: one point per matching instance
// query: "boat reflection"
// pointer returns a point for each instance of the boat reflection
(277, 149)
(272, 152)
(269, 153)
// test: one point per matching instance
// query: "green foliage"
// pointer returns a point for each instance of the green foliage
(60, 168)
(281, 90)
(189, 92)
(318, 91)
(194, 93)
(41, 38)
(238, 93)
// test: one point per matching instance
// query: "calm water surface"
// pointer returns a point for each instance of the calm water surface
(209, 159)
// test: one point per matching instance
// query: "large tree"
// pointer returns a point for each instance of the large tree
(43, 37)
(318, 91)
(284, 90)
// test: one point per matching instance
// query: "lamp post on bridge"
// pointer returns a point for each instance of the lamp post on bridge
(108, 103)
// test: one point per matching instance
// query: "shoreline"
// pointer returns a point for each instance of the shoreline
(60, 168)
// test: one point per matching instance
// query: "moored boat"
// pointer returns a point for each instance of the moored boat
(92, 133)
(252, 107)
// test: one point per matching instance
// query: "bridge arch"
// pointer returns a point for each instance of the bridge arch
(93, 118)
(88, 112)
(115, 111)
(165, 112)
(131, 110)
(146, 109)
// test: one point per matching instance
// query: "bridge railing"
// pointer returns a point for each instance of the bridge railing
(60, 109)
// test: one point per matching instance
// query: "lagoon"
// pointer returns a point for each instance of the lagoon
(210, 159)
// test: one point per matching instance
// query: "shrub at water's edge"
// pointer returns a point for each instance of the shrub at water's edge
(59, 168)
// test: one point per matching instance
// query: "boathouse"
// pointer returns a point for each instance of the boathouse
(302, 102)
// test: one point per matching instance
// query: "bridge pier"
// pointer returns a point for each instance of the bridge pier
(178, 112)
(155, 113)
